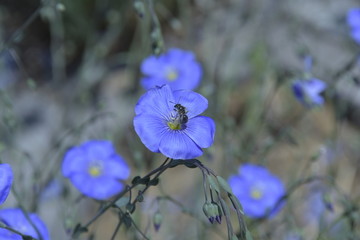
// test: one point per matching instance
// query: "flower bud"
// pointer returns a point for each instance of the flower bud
(157, 219)
(139, 8)
(211, 211)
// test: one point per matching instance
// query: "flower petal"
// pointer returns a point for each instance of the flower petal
(75, 160)
(100, 188)
(177, 145)
(153, 66)
(6, 179)
(98, 149)
(157, 101)
(15, 219)
(201, 130)
(150, 129)
(116, 167)
(194, 103)
(151, 82)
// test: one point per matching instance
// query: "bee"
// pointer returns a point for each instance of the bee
(181, 110)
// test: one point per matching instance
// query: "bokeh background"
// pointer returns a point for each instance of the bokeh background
(69, 72)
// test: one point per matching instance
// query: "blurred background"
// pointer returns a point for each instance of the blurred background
(69, 72)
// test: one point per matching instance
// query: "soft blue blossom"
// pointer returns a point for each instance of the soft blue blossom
(95, 169)
(353, 20)
(15, 219)
(6, 179)
(162, 128)
(258, 190)
(176, 67)
(308, 92)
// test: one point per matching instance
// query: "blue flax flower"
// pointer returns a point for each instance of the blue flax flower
(15, 219)
(176, 67)
(353, 20)
(258, 190)
(308, 92)
(168, 122)
(95, 169)
(6, 179)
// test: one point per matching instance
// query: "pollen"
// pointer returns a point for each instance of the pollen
(174, 125)
(172, 75)
(256, 193)
(95, 170)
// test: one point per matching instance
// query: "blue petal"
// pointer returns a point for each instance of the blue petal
(15, 219)
(156, 101)
(353, 18)
(151, 82)
(150, 129)
(153, 66)
(251, 172)
(189, 76)
(76, 160)
(201, 130)
(116, 167)
(177, 145)
(101, 188)
(98, 149)
(6, 179)
(8, 235)
(194, 103)
(355, 34)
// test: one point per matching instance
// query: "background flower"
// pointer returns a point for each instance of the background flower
(353, 20)
(6, 179)
(15, 219)
(308, 91)
(257, 189)
(160, 128)
(176, 67)
(95, 169)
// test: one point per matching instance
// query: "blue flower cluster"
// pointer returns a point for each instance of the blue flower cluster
(176, 67)
(95, 169)
(258, 190)
(168, 122)
(353, 20)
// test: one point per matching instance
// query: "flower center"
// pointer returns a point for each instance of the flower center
(174, 124)
(171, 75)
(95, 170)
(256, 193)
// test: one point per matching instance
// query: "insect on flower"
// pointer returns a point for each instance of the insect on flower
(169, 122)
(181, 113)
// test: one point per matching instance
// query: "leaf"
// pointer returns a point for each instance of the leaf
(213, 183)
(235, 202)
(223, 183)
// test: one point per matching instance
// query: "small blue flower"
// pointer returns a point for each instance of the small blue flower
(168, 122)
(258, 190)
(6, 179)
(353, 20)
(15, 219)
(308, 92)
(95, 169)
(176, 67)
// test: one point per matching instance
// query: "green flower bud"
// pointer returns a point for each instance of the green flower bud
(157, 219)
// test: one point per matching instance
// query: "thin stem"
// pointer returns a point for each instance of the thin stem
(160, 170)
(116, 229)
